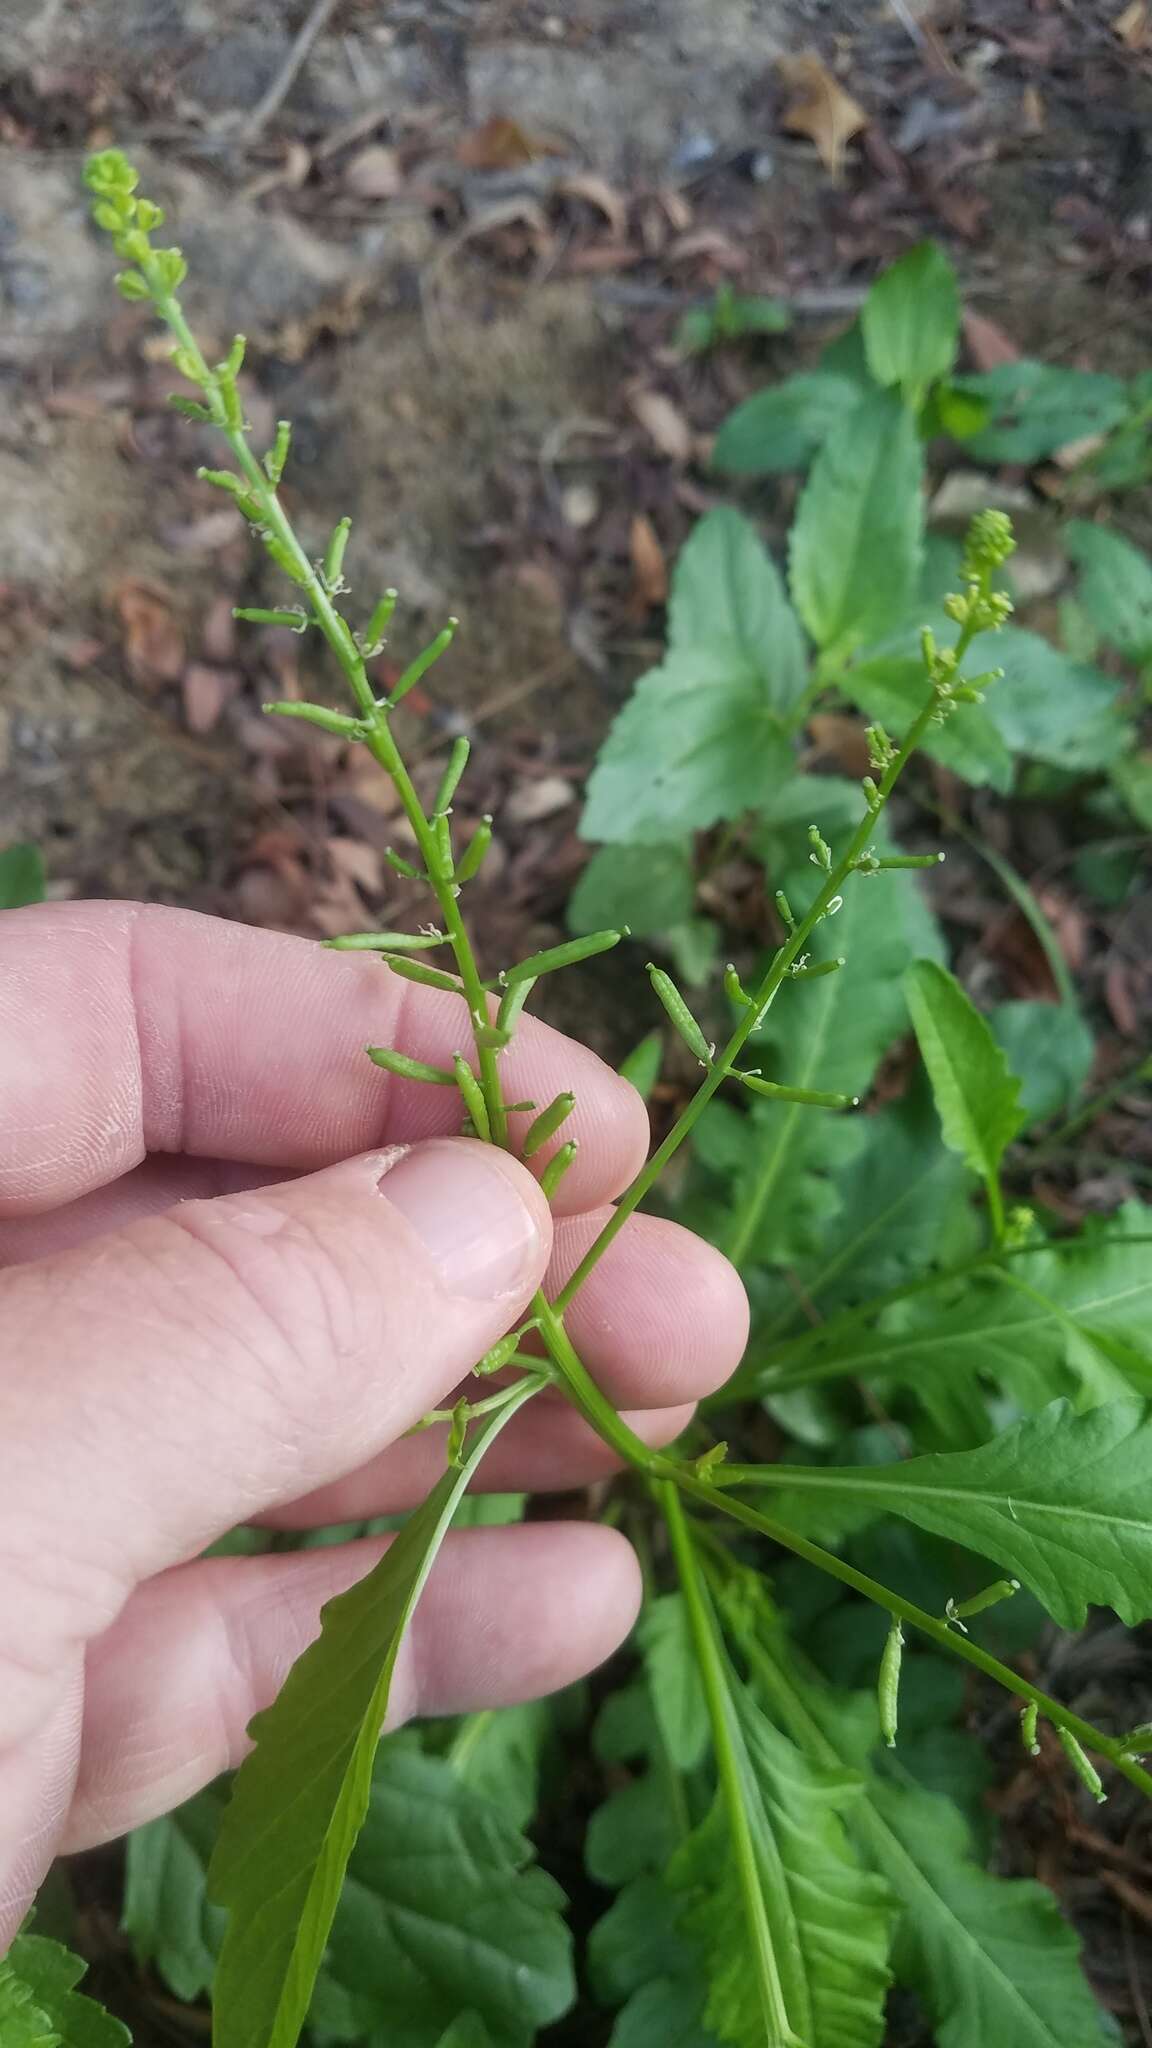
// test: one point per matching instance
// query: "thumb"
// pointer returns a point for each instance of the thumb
(167, 1381)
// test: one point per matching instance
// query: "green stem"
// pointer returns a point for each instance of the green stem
(721, 1716)
(758, 1009)
(994, 1193)
(937, 1631)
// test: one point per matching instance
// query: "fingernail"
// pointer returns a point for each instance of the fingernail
(462, 1201)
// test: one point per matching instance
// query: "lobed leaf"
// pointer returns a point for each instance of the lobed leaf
(1060, 1500)
(166, 1913)
(781, 428)
(40, 2006)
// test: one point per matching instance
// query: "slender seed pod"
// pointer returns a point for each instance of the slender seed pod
(406, 1069)
(277, 455)
(423, 662)
(400, 866)
(334, 722)
(785, 910)
(888, 1689)
(496, 1358)
(679, 1015)
(386, 942)
(812, 1096)
(378, 624)
(1028, 1722)
(473, 1095)
(567, 955)
(442, 839)
(1084, 1768)
(1001, 1589)
(254, 615)
(821, 854)
(821, 968)
(334, 554)
(450, 781)
(512, 1003)
(547, 1123)
(417, 970)
(557, 1167)
(734, 988)
(472, 859)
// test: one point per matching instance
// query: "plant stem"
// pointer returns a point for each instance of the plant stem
(725, 1735)
(937, 1631)
(756, 1012)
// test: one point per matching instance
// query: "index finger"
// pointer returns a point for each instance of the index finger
(127, 1029)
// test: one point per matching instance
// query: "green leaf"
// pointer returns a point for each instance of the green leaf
(992, 1959)
(781, 428)
(649, 889)
(727, 590)
(662, 2015)
(1037, 408)
(1077, 1319)
(1132, 776)
(856, 542)
(674, 1680)
(903, 1207)
(280, 1860)
(466, 2032)
(166, 1913)
(634, 1831)
(497, 1753)
(21, 876)
(445, 1914)
(1054, 709)
(1050, 1049)
(698, 741)
(1115, 587)
(977, 1097)
(892, 689)
(911, 321)
(39, 2005)
(830, 1921)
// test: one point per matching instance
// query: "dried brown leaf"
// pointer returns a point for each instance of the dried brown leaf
(599, 193)
(987, 343)
(664, 423)
(153, 635)
(649, 566)
(206, 690)
(1133, 26)
(820, 108)
(500, 144)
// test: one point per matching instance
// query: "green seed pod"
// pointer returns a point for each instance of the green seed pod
(499, 1355)
(400, 866)
(785, 909)
(131, 285)
(416, 970)
(442, 840)
(547, 1124)
(911, 860)
(567, 955)
(1085, 1770)
(398, 1063)
(191, 409)
(821, 968)
(679, 1014)
(255, 616)
(821, 854)
(1139, 1742)
(277, 455)
(334, 554)
(378, 624)
(512, 1003)
(1002, 1589)
(734, 988)
(423, 662)
(230, 400)
(1028, 1719)
(283, 558)
(450, 780)
(888, 1689)
(557, 1167)
(473, 1095)
(183, 360)
(457, 1433)
(472, 859)
(386, 942)
(811, 1096)
(235, 361)
(318, 714)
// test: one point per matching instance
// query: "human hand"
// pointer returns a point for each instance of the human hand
(336, 1264)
